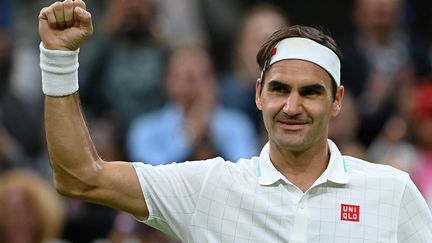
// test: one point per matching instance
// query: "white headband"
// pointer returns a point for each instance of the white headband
(308, 50)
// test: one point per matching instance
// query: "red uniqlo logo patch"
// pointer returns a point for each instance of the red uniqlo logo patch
(350, 213)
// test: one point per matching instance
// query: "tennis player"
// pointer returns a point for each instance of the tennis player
(299, 189)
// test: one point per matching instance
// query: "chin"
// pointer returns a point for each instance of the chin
(292, 143)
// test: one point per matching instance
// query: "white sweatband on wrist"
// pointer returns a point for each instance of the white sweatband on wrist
(59, 71)
(307, 50)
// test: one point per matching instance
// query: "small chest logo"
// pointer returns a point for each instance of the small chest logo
(350, 212)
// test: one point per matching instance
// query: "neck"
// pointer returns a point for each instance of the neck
(302, 168)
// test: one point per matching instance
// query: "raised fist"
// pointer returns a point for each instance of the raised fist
(65, 25)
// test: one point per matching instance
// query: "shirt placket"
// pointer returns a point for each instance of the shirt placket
(299, 228)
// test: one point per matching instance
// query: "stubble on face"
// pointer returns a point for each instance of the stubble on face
(296, 102)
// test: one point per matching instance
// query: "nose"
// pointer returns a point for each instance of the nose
(293, 104)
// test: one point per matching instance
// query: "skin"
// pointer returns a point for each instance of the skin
(296, 120)
(77, 168)
(297, 105)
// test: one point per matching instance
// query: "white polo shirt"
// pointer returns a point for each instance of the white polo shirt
(250, 201)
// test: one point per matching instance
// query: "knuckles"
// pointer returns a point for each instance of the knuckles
(66, 9)
(57, 6)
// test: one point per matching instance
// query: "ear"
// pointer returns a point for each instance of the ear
(258, 94)
(337, 103)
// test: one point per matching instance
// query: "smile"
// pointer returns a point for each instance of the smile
(292, 125)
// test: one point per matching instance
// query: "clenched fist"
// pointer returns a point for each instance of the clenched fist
(65, 25)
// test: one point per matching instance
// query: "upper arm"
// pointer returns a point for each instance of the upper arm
(77, 168)
(116, 185)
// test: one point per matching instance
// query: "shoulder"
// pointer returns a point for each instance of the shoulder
(212, 169)
(241, 169)
(246, 168)
(372, 172)
(355, 165)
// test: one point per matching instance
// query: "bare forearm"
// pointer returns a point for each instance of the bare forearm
(78, 170)
(71, 150)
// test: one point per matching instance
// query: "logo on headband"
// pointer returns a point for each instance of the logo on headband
(273, 51)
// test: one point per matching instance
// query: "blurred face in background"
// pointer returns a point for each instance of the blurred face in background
(257, 27)
(30, 211)
(20, 222)
(190, 77)
(377, 15)
(130, 19)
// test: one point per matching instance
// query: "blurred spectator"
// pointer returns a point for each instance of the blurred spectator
(124, 67)
(30, 211)
(343, 129)
(19, 123)
(375, 57)
(393, 147)
(422, 131)
(221, 19)
(238, 85)
(192, 125)
(181, 22)
(25, 75)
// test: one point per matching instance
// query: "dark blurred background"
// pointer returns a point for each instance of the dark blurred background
(185, 69)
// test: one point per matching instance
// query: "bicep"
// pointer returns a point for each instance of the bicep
(117, 186)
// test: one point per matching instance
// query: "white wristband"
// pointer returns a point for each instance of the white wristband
(59, 71)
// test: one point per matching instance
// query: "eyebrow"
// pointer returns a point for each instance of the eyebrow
(313, 87)
(276, 83)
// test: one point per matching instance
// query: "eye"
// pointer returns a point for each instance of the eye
(309, 92)
(279, 88)
(312, 91)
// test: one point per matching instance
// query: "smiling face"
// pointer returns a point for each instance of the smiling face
(297, 104)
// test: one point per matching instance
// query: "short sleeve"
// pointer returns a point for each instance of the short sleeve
(415, 220)
(171, 192)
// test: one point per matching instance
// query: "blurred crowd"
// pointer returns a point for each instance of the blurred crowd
(168, 81)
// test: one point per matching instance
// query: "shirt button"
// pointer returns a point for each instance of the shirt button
(301, 205)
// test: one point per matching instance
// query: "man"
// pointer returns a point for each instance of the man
(192, 125)
(300, 189)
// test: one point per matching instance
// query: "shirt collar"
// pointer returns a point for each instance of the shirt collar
(336, 170)
(267, 173)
